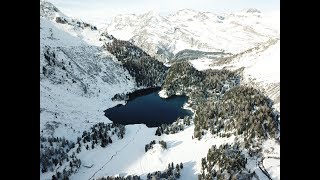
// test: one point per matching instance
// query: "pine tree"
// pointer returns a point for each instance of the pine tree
(54, 177)
(78, 149)
(178, 174)
(181, 165)
(177, 167)
(103, 142)
(58, 175)
(158, 133)
(44, 169)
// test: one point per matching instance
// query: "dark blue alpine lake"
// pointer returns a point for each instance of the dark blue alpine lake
(146, 107)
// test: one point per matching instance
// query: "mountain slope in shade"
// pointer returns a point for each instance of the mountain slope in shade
(164, 36)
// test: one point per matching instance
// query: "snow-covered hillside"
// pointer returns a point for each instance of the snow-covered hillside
(261, 67)
(78, 78)
(164, 36)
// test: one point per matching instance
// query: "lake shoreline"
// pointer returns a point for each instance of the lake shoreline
(145, 106)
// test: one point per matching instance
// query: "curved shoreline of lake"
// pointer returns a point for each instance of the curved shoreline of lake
(147, 107)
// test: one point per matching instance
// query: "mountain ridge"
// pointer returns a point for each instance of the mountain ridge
(83, 68)
(195, 30)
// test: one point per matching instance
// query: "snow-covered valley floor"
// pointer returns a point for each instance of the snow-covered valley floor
(66, 111)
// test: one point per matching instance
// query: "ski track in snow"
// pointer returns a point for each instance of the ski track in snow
(132, 139)
(263, 170)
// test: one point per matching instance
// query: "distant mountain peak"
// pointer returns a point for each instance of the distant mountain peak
(50, 11)
(186, 10)
(164, 36)
(253, 10)
(151, 13)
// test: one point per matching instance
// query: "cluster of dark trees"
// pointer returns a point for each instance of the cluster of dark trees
(150, 145)
(50, 58)
(163, 144)
(129, 177)
(222, 105)
(54, 152)
(49, 69)
(74, 165)
(61, 20)
(82, 25)
(100, 134)
(189, 54)
(242, 110)
(120, 97)
(173, 128)
(224, 162)
(147, 71)
(200, 86)
(172, 172)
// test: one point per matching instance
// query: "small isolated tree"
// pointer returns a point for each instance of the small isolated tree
(177, 167)
(163, 144)
(181, 165)
(78, 149)
(44, 169)
(44, 70)
(54, 177)
(158, 133)
(103, 142)
(58, 175)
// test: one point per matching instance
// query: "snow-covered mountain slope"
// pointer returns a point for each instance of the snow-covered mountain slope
(130, 158)
(77, 77)
(163, 37)
(127, 157)
(261, 68)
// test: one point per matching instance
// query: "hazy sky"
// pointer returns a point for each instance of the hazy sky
(99, 10)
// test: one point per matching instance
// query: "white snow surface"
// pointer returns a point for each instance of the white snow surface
(129, 156)
(163, 94)
(63, 102)
(190, 29)
(66, 111)
(271, 152)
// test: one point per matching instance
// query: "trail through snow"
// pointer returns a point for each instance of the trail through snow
(132, 139)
